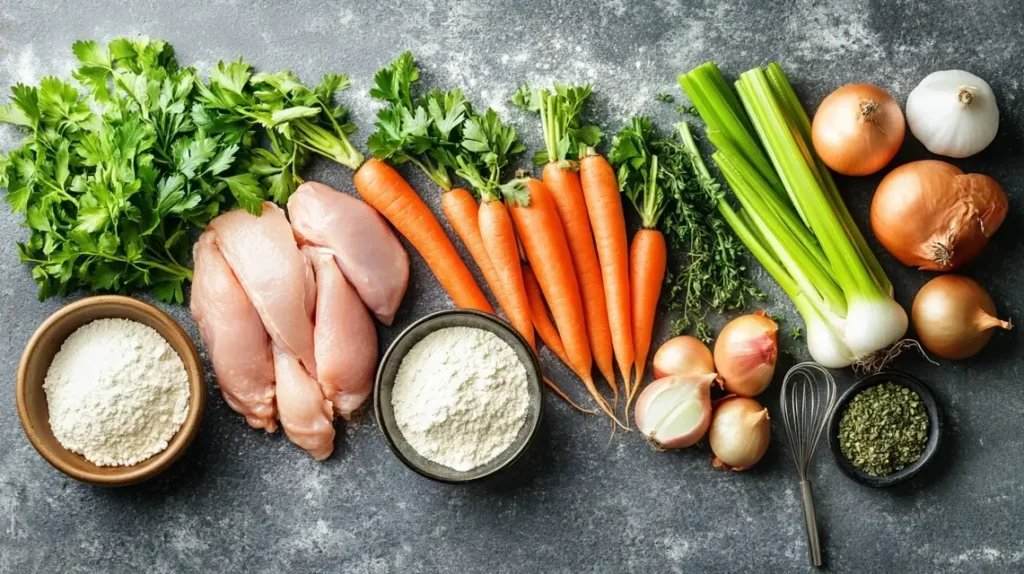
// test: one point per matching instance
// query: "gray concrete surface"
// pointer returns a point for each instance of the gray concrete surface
(242, 501)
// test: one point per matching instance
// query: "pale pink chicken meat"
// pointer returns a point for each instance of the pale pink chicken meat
(344, 338)
(305, 414)
(274, 274)
(233, 332)
(369, 254)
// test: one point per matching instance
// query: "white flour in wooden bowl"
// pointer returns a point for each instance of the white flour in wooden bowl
(117, 392)
(460, 397)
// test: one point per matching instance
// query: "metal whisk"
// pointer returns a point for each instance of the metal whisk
(808, 395)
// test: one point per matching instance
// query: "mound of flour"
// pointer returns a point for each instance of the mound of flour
(117, 392)
(460, 397)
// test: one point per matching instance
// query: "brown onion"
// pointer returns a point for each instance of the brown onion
(857, 129)
(745, 354)
(675, 412)
(931, 215)
(954, 316)
(739, 433)
(683, 355)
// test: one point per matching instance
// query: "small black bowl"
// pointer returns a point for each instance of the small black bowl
(389, 370)
(934, 429)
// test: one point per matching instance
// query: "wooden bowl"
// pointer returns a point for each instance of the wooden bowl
(31, 398)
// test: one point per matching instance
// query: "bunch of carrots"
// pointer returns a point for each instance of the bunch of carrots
(554, 252)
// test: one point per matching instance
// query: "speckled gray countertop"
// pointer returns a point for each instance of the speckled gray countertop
(242, 501)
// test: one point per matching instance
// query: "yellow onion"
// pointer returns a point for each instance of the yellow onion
(683, 355)
(739, 433)
(674, 412)
(931, 215)
(857, 129)
(745, 354)
(954, 316)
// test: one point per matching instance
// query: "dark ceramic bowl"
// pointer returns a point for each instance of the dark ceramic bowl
(389, 370)
(934, 429)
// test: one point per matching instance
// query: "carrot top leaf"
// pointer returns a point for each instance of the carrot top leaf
(634, 153)
(487, 145)
(424, 131)
(666, 180)
(560, 110)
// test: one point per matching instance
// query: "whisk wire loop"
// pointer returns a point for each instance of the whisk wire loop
(808, 397)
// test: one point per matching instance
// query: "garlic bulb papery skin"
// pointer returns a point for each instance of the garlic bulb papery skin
(953, 113)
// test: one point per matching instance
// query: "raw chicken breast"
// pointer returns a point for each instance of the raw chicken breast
(234, 335)
(368, 253)
(305, 414)
(274, 274)
(344, 337)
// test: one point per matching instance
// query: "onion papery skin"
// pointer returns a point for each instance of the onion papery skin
(683, 355)
(929, 214)
(858, 129)
(746, 352)
(955, 317)
(739, 434)
(663, 400)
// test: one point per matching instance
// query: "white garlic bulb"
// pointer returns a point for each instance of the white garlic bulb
(953, 113)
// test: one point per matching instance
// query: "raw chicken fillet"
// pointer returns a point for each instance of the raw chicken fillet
(345, 339)
(288, 328)
(305, 413)
(274, 274)
(368, 253)
(239, 345)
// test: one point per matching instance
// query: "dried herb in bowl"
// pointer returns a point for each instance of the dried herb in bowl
(884, 429)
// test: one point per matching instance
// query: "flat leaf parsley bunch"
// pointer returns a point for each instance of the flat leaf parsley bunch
(114, 180)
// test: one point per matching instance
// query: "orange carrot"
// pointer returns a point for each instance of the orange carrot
(548, 252)
(499, 239)
(539, 311)
(384, 189)
(647, 260)
(561, 394)
(563, 181)
(604, 205)
(462, 211)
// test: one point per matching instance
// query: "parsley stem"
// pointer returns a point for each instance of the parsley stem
(172, 268)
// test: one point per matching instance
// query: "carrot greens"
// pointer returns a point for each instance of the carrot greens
(669, 186)
(425, 131)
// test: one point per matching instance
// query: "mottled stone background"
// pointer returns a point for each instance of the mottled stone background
(241, 501)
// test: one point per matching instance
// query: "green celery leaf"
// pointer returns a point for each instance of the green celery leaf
(24, 107)
(96, 68)
(37, 218)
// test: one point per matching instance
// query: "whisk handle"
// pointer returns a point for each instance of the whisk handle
(810, 523)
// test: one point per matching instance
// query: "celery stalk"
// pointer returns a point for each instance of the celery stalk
(789, 158)
(719, 107)
(795, 111)
(793, 219)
